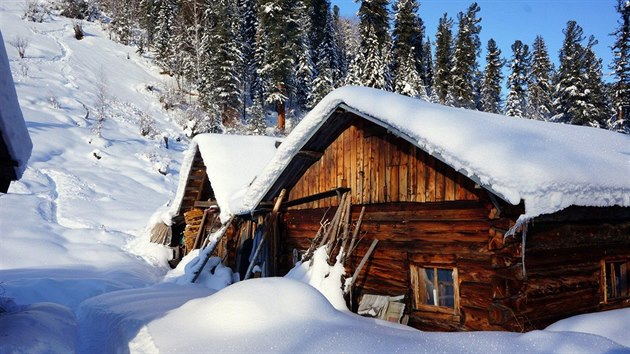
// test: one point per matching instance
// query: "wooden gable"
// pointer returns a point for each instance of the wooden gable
(379, 167)
(197, 186)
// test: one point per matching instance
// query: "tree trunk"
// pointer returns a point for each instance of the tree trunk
(281, 109)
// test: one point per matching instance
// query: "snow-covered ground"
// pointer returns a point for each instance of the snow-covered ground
(77, 273)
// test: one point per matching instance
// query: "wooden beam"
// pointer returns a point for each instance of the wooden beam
(205, 203)
(309, 154)
(311, 198)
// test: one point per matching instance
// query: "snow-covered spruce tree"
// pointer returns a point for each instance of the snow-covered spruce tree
(256, 124)
(148, 18)
(598, 108)
(569, 87)
(443, 59)
(328, 64)
(407, 37)
(274, 39)
(411, 83)
(248, 20)
(621, 68)
(302, 86)
(224, 59)
(540, 87)
(578, 97)
(467, 48)
(427, 67)
(318, 13)
(166, 12)
(340, 48)
(375, 65)
(492, 79)
(375, 43)
(355, 70)
(516, 103)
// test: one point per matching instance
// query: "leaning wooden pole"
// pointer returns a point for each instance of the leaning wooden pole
(213, 244)
(362, 264)
(272, 220)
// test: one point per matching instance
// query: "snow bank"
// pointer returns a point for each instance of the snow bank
(549, 166)
(323, 277)
(110, 322)
(12, 125)
(38, 328)
(279, 315)
(614, 325)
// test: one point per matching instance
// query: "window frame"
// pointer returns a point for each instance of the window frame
(605, 265)
(416, 280)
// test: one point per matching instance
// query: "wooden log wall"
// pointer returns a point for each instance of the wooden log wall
(380, 168)
(563, 271)
(449, 234)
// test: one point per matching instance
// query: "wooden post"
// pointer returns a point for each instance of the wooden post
(355, 234)
(362, 264)
(268, 228)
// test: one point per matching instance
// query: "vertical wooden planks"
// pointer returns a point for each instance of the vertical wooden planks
(450, 184)
(439, 180)
(430, 181)
(360, 163)
(403, 175)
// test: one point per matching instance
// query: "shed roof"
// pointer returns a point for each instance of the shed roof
(232, 163)
(549, 166)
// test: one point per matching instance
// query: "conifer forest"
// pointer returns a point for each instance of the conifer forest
(241, 65)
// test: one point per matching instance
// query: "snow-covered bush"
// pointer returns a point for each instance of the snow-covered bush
(36, 11)
(20, 43)
(77, 26)
(78, 9)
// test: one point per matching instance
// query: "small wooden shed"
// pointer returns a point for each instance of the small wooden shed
(215, 169)
(484, 222)
(15, 142)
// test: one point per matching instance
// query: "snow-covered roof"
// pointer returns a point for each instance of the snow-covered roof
(548, 165)
(232, 163)
(12, 125)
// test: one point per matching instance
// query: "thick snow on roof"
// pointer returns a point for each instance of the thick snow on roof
(550, 166)
(12, 125)
(232, 163)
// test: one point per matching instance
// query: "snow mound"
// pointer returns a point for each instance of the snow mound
(280, 315)
(38, 328)
(614, 325)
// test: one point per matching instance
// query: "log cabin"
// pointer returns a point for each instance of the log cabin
(483, 222)
(15, 142)
(215, 167)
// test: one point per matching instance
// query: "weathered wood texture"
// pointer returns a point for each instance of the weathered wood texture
(380, 168)
(449, 234)
(562, 272)
(197, 186)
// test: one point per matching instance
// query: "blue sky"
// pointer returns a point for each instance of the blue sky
(509, 20)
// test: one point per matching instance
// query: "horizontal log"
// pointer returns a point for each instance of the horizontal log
(543, 286)
(551, 236)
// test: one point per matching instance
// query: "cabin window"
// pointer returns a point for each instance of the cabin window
(616, 279)
(435, 287)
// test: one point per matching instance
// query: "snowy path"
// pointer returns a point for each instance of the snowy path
(69, 226)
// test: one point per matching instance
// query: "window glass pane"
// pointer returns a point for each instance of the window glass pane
(609, 281)
(429, 286)
(446, 289)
